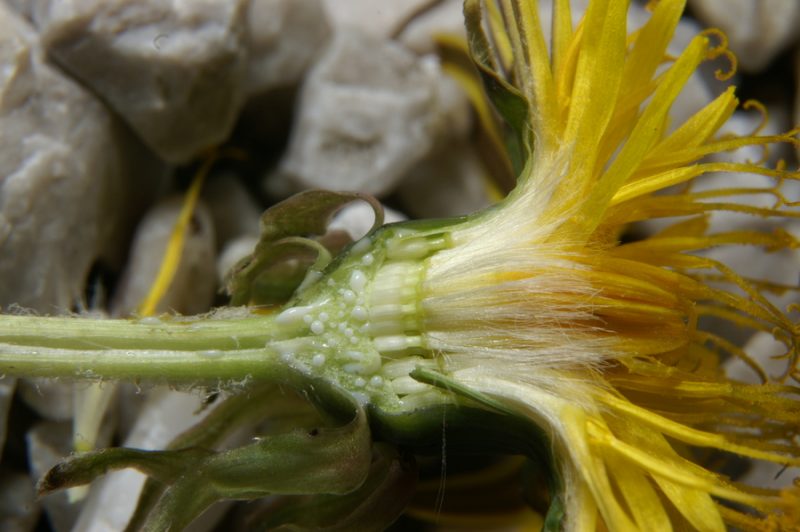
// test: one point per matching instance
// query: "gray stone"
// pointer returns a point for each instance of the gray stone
(193, 285)
(283, 38)
(381, 19)
(758, 29)
(24, 8)
(67, 170)
(67, 176)
(369, 110)
(18, 506)
(447, 18)
(50, 398)
(174, 70)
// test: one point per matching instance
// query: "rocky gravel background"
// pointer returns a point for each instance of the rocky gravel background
(108, 106)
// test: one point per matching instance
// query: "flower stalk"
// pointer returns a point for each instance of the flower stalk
(150, 349)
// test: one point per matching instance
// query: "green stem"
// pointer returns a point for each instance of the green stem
(154, 350)
(173, 333)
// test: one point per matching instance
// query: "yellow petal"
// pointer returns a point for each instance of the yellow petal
(645, 134)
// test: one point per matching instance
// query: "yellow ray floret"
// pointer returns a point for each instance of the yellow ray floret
(603, 342)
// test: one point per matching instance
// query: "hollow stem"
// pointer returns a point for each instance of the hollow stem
(170, 350)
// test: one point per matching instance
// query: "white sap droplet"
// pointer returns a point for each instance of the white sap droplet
(358, 280)
(360, 382)
(376, 381)
(359, 313)
(150, 320)
(317, 327)
(323, 316)
(318, 360)
(354, 355)
(348, 295)
(211, 353)
(293, 315)
(353, 368)
(361, 246)
(353, 339)
(308, 318)
(368, 259)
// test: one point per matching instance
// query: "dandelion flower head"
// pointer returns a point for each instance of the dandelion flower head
(539, 304)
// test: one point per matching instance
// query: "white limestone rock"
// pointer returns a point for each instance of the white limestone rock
(368, 111)
(19, 508)
(174, 70)
(50, 398)
(66, 200)
(380, 19)
(758, 29)
(283, 38)
(71, 177)
(447, 17)
(192, 287)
